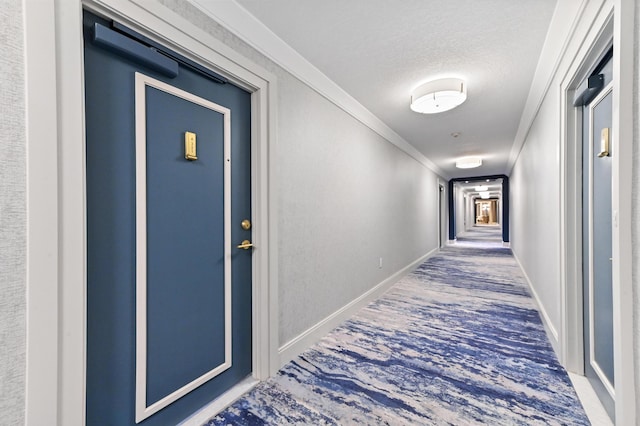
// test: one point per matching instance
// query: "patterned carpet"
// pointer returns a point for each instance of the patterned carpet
(457, 342)
(482, 236)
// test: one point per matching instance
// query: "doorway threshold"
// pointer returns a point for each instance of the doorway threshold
(210, 410)
(592, 406)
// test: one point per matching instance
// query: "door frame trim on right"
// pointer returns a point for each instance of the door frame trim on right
(592, 357)
(607, 28)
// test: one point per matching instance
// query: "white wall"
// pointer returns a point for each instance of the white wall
(346, 198)
(459, 206)
(535, 233)
(444, 225)
(535, 177)
(471, 209)
(636, 204)
(12, 215)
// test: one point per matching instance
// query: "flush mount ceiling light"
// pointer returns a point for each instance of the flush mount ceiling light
(468, 162)
(481, 188)
(485, 195)
(438, 95)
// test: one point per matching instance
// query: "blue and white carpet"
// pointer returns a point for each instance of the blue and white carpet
(457, 342)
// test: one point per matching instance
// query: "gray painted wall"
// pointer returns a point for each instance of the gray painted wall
(471, 208)
(535, 227)
(346, 197)
(12, 215)
(636, 205)
(460, 202)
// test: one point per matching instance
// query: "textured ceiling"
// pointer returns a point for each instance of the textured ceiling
(379, 50)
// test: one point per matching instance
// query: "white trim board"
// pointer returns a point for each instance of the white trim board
(309, 337)
(143, 408)
(592, 406)
(42, 296)
(623, 113)
(243, 24)
(551, 330)
(591, 155)
(201, 416)
(64, 172)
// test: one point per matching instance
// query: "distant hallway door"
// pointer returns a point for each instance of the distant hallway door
(597, 242)
(168, 178)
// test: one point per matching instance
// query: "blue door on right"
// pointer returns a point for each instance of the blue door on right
(597, 242)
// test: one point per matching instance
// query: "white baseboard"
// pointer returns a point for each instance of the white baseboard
(552, 333)
(589, 399)
(306, 339)
(201, 416)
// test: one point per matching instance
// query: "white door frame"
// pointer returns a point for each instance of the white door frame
(617, 28)
(56, 251)
(442, 220)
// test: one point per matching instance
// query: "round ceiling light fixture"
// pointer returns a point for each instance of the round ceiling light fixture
(468, 162)
(438, 95)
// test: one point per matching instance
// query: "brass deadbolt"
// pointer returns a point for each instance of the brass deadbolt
(246, 224)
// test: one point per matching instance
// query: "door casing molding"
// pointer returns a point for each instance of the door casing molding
(593, 361)
(504, 220)
(56, 372)
(607, 28)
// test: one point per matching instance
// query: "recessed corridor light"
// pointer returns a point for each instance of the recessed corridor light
(468, 162)
(438, 96)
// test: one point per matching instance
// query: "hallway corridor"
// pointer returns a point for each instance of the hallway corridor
(456, 342)
(250, 212)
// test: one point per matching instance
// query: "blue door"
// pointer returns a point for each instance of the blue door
(168, 202)
(597, 243)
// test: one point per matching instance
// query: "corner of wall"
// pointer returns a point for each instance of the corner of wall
(309, 337)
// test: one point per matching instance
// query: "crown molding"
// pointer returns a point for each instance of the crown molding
(554, 49)
(248, 28)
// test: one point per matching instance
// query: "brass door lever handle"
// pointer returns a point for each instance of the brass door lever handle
(245, 245)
